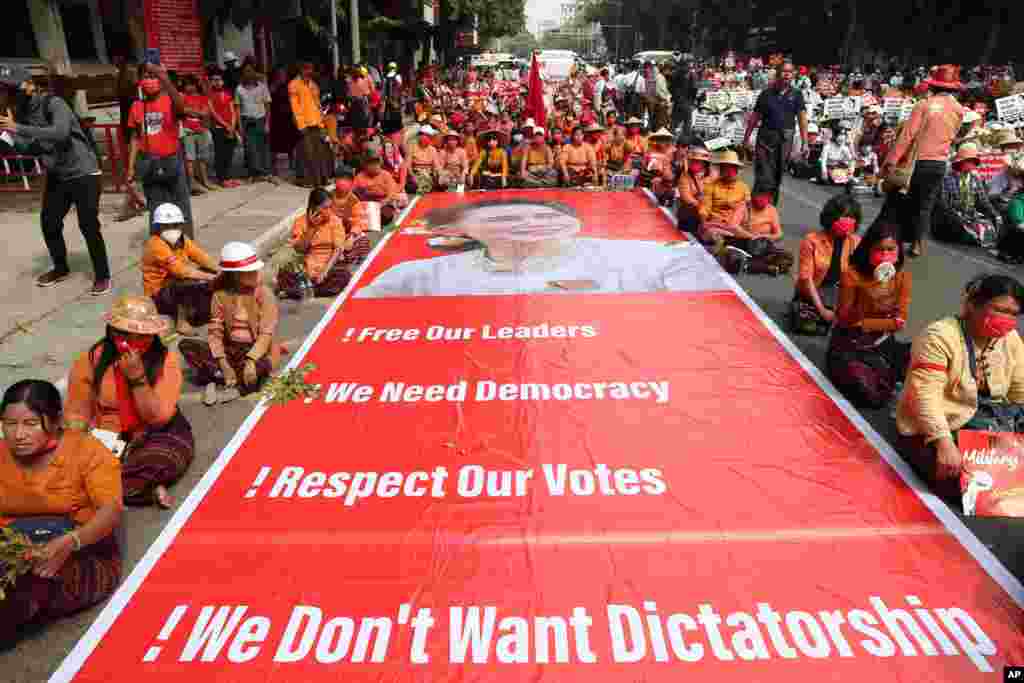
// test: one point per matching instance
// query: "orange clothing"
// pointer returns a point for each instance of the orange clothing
(257, 311)
(472, 148)
(97, 406)
(351, 212)
(765, 223)
(322, 241)
(636, 146)
(424, 158)
(305, 99)
(872, 305)
(82, 477)
(816, 256)
(161, 262)
(691, 190)
(454, 162)
(725, 203)
(382, 185)
(944, 116)
(497, 163)
(578, 157)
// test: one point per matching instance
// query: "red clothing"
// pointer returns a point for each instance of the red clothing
(157, 122)
(195, 103)
(223, 105)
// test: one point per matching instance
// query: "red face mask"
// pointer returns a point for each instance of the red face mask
(997, 325)
(697, 166)
(844, 227)
(634, 131)
(123, 344)
(343, 187)
(729, 172)
(880, 257)
(967, 166)
(149, 86)
(760, 202)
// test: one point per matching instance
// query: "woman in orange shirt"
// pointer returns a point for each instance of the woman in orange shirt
(865, 361)
(126, 387)
(240, 351)
(62, 489)
(320, 241)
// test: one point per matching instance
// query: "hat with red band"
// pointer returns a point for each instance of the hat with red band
(239, 257)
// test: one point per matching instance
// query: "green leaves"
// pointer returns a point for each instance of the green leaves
(289, 386)
(16, 555)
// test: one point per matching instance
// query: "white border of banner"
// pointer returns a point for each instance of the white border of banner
(989, 562)
(73, 663)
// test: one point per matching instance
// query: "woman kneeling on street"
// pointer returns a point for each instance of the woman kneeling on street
(824, 257)
(865, 361)
(320, 241)
(176, 273)
(241, 351)
(966, 372)
(61, 489)
(127, 388)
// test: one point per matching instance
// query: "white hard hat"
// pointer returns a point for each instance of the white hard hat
(168, 214)
(230, 56)
(239, 257)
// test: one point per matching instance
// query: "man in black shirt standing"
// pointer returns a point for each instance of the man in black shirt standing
(777, 111)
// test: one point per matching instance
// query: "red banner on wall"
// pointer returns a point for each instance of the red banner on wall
(175, 28)
(552, 442)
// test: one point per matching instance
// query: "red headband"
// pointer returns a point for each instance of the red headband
(240, 264)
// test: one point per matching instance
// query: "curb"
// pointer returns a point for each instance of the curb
(264, 245)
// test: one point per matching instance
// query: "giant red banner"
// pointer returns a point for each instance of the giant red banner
(174, 27)
(554, 443)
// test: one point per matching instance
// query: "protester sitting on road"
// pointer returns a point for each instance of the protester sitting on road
(578, 162)
(373, 184)
(764, 217)
(320, 241)
(128, 385)
(538, 167)
(865, 361)
(517, 151)
(726, 201)
(155, 156)
(691, 191)
(1010, 147)
(176, 273)
(44, 125)
(636, 144)
(824, 257)
(424, 163)
(656, 173)
(594, 136)
(616, 151)
(966, 372)
(240, 351)
(471, 144)
(964, 213)
(1011, 245)
(352, 213)
(837, 162)
(454, 163)
(66, 481)
(490, 171)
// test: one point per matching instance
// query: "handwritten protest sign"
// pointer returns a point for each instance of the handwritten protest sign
(993, 474)
(835, 108)
(1010, 109)
(718, 99)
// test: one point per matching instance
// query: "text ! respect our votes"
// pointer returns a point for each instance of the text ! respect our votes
(468, 481)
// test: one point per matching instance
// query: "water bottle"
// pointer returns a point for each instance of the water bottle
(305, 287)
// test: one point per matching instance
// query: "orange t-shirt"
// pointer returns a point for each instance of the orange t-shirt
(765, 221)
(323, 241)
(82, 477)
(98, 407)
(161, 262)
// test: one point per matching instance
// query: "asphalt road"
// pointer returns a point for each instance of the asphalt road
(938, 280)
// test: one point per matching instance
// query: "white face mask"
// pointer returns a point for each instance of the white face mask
(885, 272)
(171, 236)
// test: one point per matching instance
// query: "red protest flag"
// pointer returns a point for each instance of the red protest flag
(535, 97)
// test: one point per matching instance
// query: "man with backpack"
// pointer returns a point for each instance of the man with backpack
(45, 126)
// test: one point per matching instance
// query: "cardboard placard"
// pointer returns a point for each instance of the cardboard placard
(908, 109)
(706, 122)
(718, 99)
(1010, 108)
(717, 144)
(835, 108)
(892, 108)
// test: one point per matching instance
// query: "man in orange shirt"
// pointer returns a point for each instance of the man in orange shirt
(932, 127)
(313, 157)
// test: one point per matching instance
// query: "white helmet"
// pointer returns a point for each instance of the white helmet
(168, 214)
(239, 257)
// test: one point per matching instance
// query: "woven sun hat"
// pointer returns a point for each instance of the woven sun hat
(727, 158)
(661, 134)
(699, 154)
(1006, 136)
(239, 257)
(594, 128)
(453, 134)
(634, 121)
(136, 315)
(946, 76)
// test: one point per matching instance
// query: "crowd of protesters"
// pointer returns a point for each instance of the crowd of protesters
(364, 141)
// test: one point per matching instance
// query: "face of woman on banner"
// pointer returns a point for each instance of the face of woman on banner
(517, 223)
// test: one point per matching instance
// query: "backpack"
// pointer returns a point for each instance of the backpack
(86, 133)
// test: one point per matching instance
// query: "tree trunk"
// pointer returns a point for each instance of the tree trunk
(851, 30)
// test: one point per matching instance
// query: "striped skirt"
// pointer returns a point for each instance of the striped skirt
(88, 577)
(206, 369)
(156, 457)
(289, 281)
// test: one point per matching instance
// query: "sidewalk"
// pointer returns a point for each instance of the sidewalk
(43, 330)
